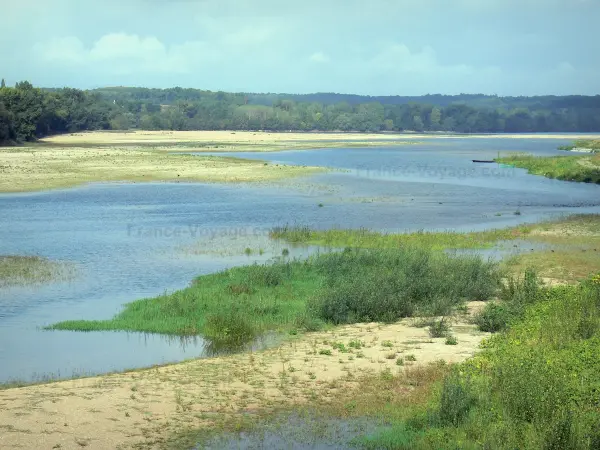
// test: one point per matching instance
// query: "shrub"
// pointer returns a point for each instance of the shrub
(438, 328)
(451, 340)
(494, 317)
(229, 327)
(267, 275)
(516, 294)
(456, 400)
(387, 285)
(308, 322)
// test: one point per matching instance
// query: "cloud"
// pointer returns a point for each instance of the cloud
(382, 47)
(123, 53)
(319, 57)
(398, 57)
(69, 50)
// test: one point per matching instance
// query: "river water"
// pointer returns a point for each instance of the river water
(129, 241)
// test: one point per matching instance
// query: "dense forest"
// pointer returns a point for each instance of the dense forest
(27, 113)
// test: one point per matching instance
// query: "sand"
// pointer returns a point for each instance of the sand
(146, 407)
(271, 141)
(38, 168)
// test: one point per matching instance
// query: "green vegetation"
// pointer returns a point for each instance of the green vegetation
(26, 270)
(535, 386)
(585, 144)
(364, 238)
(571, 253)
(27, 113)
(233, 306)
(570, 168)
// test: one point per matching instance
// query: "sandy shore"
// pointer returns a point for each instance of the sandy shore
(38, 168)
(146, 407)
(240, 140)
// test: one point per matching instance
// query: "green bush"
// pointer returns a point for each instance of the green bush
(494, 317)
(451, 340)
(386, 285)
(516, 294)
(229, 327)
(535, 385)
(456, 400)
(438, 329)
(268, 275)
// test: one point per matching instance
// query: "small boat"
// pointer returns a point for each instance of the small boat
(482, 161)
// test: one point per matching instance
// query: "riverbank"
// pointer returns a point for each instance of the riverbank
(584, 169)
(24, 169)
(224, 141)
(234, 306)
(170, 406)
(257, 141)
(374, 370)
(583, 146)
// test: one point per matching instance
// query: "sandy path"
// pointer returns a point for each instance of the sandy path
(145, 407)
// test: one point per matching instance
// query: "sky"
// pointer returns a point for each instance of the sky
(371, 47)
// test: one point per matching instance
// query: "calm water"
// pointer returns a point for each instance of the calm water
(129, 241)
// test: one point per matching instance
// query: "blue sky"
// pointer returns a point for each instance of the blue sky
(377, 47)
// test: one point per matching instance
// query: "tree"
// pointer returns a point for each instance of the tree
(2, 83)
(435, 117)
(418, 123)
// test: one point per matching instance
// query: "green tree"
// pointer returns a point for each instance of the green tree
(418, 124)
(2, 83)
(435, 118)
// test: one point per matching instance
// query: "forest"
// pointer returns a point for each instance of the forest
(28, 112)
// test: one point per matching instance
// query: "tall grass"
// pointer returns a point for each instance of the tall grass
(355, 285)
(386, 285)
(371, 239)
(570, 168)
(535, 386)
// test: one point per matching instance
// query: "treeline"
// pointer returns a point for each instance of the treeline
(27, 113)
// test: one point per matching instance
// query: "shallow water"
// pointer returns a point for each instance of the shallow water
(298, 432)
(129, 241)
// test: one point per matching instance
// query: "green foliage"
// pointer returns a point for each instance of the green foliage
(451, 340)
(27, 112)
(235, 305)
(371, 239)
(516, 294)
(33, 112)
(494, 317)
(386, 285)
(589, 144)
(456, 400)
(438, 329)
(570, 168)
(535, 385)
(229, 329)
